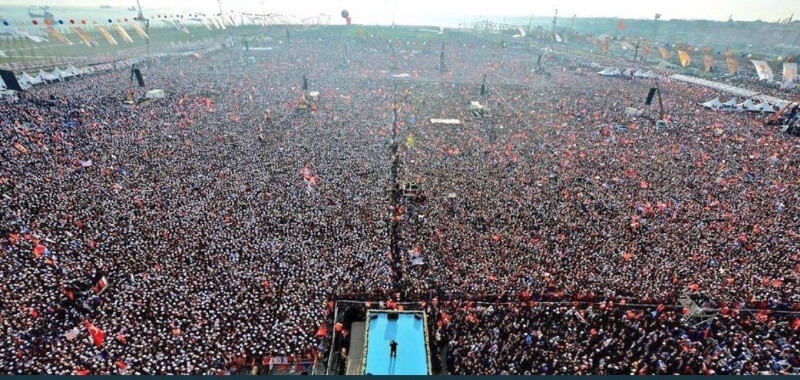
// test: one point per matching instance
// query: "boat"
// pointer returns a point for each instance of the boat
(45, 15)
(105, 7)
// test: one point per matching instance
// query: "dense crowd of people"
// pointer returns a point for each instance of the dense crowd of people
(607, 339)
(213, 229)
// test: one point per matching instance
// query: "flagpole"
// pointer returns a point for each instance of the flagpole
(146, 26)
(655, 22)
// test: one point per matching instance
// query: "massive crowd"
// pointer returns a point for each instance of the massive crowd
(226, 224)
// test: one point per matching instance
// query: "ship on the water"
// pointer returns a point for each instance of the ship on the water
(45, 13)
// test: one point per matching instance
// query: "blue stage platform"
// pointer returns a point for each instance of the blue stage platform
(410, 332)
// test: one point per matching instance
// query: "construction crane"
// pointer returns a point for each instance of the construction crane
(775, 118)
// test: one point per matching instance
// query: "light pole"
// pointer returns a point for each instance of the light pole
(655, 21)
(555, 17)
(146, 26)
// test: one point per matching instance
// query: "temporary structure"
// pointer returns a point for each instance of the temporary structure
(713, 104)
(609, 72)
(155, 94)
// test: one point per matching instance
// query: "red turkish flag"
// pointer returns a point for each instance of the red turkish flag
(38, 251)
(98, 336)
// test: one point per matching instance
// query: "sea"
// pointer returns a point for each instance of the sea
(19, 14)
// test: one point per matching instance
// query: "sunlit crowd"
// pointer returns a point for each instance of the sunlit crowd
(214, 229)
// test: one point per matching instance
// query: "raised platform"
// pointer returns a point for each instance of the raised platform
(733, 90)
(410, 331)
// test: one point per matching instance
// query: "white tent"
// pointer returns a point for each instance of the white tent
(60, 73)
(29, 79)
(730, 103)
(650, 74)
(765, 107)
(154, 94)
(713, 104)
(446, 121)
(73, 71)
(748, 105)
(735, 108)
(24, 83)
(609, 72)
(632, 112)
(642, 74)
(45, 76)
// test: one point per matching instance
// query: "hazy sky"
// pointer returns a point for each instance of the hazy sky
(428, 11)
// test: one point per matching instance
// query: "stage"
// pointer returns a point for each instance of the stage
(409, 330)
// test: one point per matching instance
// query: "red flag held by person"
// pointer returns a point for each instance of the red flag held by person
(98, 336)
(101, 286)
(38, 251)
(322, 331)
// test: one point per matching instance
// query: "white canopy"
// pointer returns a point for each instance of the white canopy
(45, 76)
(765, 107)
(154, 94)
(445, 121)
(748, 105)
(60, 73)
(713, 104)
(609, 72)
(23, 80)
(72, 70)
(29, 79)
(730, 103)
(642, 74)
(650, 74)
(633, 112)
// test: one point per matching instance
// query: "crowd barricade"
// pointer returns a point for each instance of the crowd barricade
(292, 365)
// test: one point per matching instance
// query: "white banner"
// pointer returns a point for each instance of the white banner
(789, 75)
(763, 70)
